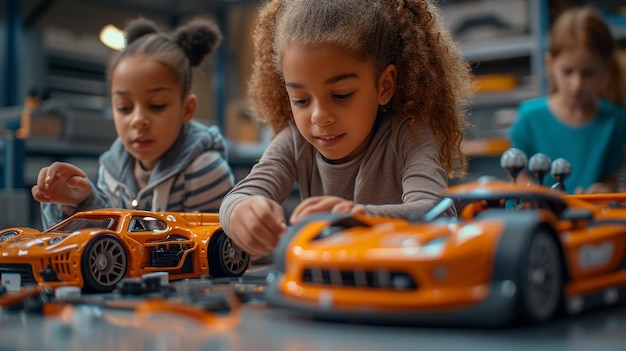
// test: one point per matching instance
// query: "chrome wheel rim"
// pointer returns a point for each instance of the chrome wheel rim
(107, 261)
(232, 256)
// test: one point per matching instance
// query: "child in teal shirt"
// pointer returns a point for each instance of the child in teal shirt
(582, 119)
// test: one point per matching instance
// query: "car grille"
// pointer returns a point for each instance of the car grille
(25, 271)
(379, 279)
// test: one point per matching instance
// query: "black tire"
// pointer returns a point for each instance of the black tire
(104, 263)
(225, 258)
(541, 278)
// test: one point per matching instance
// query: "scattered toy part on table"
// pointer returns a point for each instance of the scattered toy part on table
(213, 303)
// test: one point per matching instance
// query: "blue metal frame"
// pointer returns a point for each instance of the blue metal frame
(14, 148)
(219, 73)
(12, 25)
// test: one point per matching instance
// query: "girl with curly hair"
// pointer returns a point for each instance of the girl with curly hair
(366, 101)
(161, 160)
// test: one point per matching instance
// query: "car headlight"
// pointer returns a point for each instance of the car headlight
(56, 239)
(8, 235)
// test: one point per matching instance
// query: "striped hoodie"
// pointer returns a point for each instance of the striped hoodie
(192, 176)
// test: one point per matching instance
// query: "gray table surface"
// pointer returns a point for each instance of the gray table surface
(262, 328)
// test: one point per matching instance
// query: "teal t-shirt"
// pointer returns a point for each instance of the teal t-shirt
(595, 150)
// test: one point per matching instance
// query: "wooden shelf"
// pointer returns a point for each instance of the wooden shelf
(485, 147)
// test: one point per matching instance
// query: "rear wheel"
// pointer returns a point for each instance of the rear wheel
(104, 263)
(225, 258)
(541, 279)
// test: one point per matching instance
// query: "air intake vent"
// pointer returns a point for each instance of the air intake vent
(379, 279)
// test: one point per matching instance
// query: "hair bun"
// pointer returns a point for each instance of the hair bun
(138, 28)
(198, 38)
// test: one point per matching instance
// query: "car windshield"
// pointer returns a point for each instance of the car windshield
(83, 223)
(144, 224)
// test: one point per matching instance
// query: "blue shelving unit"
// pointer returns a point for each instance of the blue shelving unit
(12, 29)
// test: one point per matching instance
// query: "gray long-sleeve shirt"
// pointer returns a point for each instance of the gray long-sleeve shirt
(397, 174)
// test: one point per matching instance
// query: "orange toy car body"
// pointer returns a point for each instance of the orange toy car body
(514, 251)
(96, 249)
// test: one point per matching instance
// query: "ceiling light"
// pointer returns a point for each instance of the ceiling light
(112, 37)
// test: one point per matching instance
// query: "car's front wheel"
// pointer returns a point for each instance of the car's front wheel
(541, 279)
(225, 258)
(104, 263)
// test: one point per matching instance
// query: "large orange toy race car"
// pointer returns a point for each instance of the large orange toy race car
(515, 252)
(96, 249)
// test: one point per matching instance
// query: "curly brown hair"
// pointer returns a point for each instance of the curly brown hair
(433, 81)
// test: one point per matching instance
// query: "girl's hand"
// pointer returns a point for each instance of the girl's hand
(256, 224)
(595, 188)
(319, 204)
(62, 183)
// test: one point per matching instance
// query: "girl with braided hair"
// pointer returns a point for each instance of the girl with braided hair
(162, 160)
(366, 99)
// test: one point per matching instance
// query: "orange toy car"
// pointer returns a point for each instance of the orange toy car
(96, 249)
(515, 252)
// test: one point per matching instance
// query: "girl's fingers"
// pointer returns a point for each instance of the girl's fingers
(38, 195)
(256, 225)
(301, 210)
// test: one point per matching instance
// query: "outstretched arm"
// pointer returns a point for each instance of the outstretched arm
(61, 188)
(251, 213)
(256, 224)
